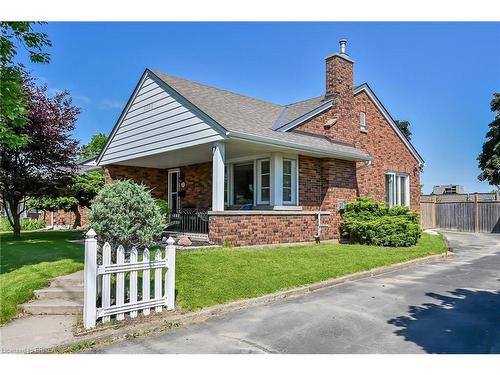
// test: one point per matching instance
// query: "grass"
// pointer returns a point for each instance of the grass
(203, 277)
(210, 277)
(27, 264)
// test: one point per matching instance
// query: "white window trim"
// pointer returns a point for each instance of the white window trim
(362, 121)
(258, 184)
(396, 188)
(295, 179)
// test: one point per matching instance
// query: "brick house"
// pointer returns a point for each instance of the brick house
(244, 171)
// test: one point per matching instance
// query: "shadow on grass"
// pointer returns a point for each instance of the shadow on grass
(466, 321)
(38, 247)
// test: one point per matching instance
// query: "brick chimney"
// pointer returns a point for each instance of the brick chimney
(339, 85)
(339, 72)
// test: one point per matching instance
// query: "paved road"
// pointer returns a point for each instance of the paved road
(447, 307)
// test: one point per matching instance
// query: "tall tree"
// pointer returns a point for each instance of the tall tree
(489, 159)
(95, 146)
(404, 126)
(13, 99)
(43, 165)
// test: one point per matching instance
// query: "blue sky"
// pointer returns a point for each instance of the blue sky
(438, 76)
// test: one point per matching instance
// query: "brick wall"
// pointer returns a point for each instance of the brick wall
(246, 230)
(197, 177)
(389, 154)
(322, 182)
(380, 141)
(154, 178)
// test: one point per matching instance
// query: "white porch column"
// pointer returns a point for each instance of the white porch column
(277, 179)
(218, 157)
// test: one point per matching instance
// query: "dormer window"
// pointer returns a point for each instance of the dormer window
(362, 122)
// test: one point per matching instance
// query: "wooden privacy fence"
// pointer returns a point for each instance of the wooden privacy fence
(469, 216)
(105, 292)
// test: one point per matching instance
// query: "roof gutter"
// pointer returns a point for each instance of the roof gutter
(237, 135)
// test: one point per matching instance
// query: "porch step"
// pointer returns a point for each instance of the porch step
(64, 296)
(55, 306)
(72, 293)
(67, 281)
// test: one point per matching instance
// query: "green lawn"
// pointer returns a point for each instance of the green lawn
(211, 277)
(204, 277)
(28, 264)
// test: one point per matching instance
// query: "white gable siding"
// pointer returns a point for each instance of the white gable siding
(155, 122)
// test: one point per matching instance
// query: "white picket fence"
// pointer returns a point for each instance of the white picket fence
(98, 285)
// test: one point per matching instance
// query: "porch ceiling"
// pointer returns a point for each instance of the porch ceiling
(198, 154)
(175, 158)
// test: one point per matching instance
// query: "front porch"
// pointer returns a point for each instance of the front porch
(245, 193)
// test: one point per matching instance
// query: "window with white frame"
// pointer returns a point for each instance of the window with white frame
(397, 187)
(263, 181)
(362, 121)
(289, 181)
(251, 181)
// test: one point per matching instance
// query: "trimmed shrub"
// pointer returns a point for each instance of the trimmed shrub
(26, 224)
(124, 213)
(163, 206)
(369, 222)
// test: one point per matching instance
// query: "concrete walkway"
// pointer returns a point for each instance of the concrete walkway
(55, 312)
(448, 307)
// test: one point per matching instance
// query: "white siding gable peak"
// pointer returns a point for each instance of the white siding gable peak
(157, 119)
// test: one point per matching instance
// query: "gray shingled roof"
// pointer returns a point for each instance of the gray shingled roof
(244, 114)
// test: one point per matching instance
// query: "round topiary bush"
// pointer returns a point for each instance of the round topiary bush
(124, 213)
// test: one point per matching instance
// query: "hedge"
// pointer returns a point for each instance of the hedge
(26, 224)
(373, 223)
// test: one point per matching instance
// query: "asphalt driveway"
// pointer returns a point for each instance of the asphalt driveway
(446, 307)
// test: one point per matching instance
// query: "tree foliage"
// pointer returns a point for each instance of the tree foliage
(45, 163)
(489, 159)
(404, 126)
(125, 213)
(94, 147)
(79, 192)
(13, 99)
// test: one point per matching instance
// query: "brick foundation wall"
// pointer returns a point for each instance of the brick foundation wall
(252, 229)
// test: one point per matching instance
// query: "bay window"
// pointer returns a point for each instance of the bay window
(269, 181)
(397, 187)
